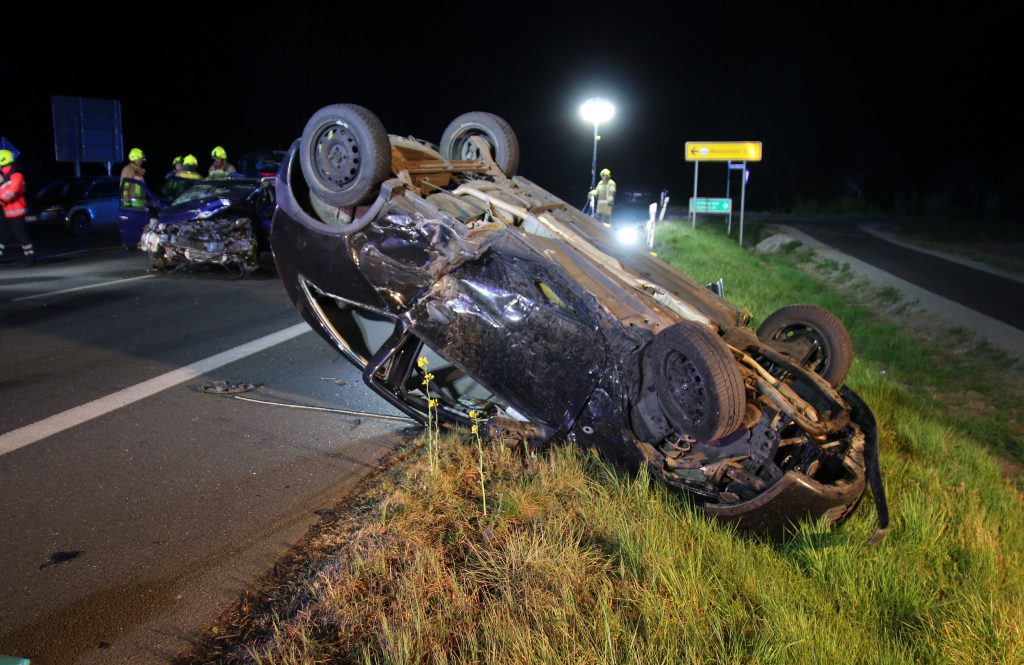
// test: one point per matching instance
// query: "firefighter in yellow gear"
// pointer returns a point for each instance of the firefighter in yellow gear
(221, 167)
(180, 180)
(604, 197)
(131, 176)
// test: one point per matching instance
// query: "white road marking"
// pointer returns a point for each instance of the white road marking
(29, 434)
(81, 288)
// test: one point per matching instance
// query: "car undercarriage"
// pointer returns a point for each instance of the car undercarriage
(529, 313)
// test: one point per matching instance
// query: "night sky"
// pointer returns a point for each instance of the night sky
(854, 100)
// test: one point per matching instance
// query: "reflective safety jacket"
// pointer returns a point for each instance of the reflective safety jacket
(12, 192)
(226, 169)
(605, 194)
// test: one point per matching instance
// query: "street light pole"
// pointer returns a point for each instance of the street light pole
(595, 111)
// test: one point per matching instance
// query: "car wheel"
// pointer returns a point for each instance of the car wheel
(813, 336)
(344, 154)
(80, 225)
(456, 144)
(698, 383)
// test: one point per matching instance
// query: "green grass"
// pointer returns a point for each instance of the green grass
(577, 562)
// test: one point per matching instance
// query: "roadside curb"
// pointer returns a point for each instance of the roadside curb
(872, 229)
(1000, 334)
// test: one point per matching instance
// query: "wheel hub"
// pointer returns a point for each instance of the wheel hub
(337, 155)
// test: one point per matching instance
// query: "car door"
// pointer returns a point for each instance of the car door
(137, 205)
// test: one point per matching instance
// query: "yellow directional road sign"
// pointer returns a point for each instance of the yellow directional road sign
(723, 151)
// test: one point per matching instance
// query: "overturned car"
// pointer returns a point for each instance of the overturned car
(393, 248)
(218, 222)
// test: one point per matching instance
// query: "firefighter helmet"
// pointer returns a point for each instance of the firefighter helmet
(606, 172)
(190, 160)
(6, 157)
(135, 154)
(219, 153)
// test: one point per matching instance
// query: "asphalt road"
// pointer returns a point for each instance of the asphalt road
(125, 534)
(983, 292)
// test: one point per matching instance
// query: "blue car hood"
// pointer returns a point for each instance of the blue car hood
(193, 210)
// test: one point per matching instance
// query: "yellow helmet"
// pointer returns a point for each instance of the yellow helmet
(190, 160)
(606, 172)
(6, 157)
(219, 153)
(176, 161)
(135, 154)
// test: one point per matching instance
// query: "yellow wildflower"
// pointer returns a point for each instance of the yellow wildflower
(432, 404)
(422, 362)
(473, 414)
(475, 429)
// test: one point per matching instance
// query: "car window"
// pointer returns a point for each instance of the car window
(75, 190)
(104, 189)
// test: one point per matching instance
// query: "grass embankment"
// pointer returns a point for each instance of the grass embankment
(578, 563)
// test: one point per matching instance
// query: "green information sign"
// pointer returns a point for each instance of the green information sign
(712, 206)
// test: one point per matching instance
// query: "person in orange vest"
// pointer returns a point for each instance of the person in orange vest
(12, 199)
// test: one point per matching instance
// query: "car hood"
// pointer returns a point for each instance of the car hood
(198, 209)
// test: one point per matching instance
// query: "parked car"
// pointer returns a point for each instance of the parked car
(261, 164)
(78, 205)
(528, 312)
(219, 222)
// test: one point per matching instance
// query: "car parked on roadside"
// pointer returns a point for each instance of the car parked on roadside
(456, 285)
(78, 205)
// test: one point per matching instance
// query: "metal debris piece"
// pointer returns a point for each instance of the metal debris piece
(227, 388)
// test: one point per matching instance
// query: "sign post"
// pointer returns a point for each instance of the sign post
(722, 151)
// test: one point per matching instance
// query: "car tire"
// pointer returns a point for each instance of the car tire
(80, 225)
(455, 144)
(832, 352)
(698, 383)
(344, 154)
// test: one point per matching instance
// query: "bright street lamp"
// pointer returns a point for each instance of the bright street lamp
(596, 110)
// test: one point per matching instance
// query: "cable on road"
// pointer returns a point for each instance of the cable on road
(344, 412)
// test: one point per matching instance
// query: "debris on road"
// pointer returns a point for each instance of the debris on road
(58, 558)
(227, 388)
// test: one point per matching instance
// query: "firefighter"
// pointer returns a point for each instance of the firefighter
(12, 199)
(176, 167)
(604, 195)
(181, 178)
(190, 168)
(221, 167)
(131, 176)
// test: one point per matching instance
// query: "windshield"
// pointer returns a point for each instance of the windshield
(236, 191)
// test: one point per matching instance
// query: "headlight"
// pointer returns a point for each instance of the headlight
(627, 235)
